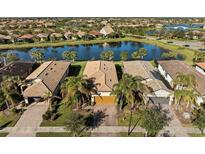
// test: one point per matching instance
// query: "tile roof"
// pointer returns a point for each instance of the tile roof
(48, 75)
(103, 73)
(201, 65)
(173, 67)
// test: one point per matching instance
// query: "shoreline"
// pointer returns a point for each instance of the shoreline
(189, 53)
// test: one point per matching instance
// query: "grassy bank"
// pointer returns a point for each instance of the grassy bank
(8, 119)
(196, 135)
(179, 50)
(3, 134)
(59, 134)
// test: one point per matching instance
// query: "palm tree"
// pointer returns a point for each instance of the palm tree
(70, 55)
(135, 55)
(107, 55)
(37, 56)
(77, 90)
(130, 90)
(10, 87)
(142, 53)
(48, 96)
(124, 55)
(185, 81)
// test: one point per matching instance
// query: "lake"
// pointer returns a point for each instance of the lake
(92, 52)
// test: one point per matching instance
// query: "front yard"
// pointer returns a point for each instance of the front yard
(8, 119)
(59, 134)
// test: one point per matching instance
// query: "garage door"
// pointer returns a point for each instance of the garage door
(104, 99)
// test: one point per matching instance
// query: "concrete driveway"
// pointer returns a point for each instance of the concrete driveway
(29, 121)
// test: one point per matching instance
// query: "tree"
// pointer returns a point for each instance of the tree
(142, 53)
(77, 90)
(152, 119)
(124, 55)
(107, 55)
(199, 119)
(70, 55)
(130, 90)
(3, 56)
(75, 124)
(135, 55)
(48, 96)
(9, 89)
(168, 55)
(37, 55)
(10, 57)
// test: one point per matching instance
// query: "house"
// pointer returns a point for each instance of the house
(106, 30)
(68, 35)
(56, 36)
(103, 74)
(5, 39)
(18, 68)
(46, 78)
(25, 38)
(200, 67)
(169, 70)
(42, 37)
(95, 33)
(80, 34)
(151, 77)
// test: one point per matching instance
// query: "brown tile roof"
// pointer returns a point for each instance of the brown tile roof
(201, 65)
(26, 36)
(49, 74)
(145, 70)
(173, 67)
(103, 73)
(18, 68)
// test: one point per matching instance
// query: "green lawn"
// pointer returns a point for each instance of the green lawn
(133, 134)
(8, 119)
(59, 134)
(123, 119)
(3, 134)
(196, 135)
(63, 112)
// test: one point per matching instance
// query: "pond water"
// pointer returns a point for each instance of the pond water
(92, 52)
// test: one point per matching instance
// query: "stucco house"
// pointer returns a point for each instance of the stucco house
(46, 78)
(151, 77)
(169, 70)
(104, 75)
(25, 38)
(200, 67)
(106, 30)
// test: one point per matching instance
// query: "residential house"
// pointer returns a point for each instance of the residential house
(169, 70)
(95, 33)
(68, 35)
(56, 36)
(46, 78)
(5, 39)
(200, 67)
(103, 74)
(42, 37)
(18, 68)
(25, 38)
(106, 30)
(151, 77)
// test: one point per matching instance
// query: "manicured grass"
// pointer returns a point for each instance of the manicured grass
(63, 112)
(59, 134)
(3, 134)
(189, 53)
(196, 135)
(123, 119)
(8, 119)
(133, 134)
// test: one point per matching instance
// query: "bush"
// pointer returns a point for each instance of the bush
(47, 115)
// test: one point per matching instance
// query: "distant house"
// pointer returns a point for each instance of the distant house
(104, 75)
(106, 30)
(42, 36)
(204, 26)
(25, 38)
(5, 39)
(56, 36)
(169, 70)
(200, 67)
(68, 35)
(95, 33)
(46, 78)
(151, 77)
(18, 68)
(81, 34)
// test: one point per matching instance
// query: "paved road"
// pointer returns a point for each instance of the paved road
(29, 121)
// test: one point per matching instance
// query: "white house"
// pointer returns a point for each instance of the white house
(151, 77)
(169, 70)
(200, 67)
(106, 30)
(104, 76)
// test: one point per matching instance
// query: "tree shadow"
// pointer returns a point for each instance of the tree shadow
(5, 125)
(95, 119)
(74, 70)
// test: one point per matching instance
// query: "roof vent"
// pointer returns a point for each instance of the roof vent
(51, 68)
(46, 74)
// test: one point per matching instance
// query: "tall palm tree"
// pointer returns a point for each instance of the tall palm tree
(3, 56)
(48, 96)
(185, 81)
(77, 90)
(37, 56)
(10, 87)
(142, 53)
(107, 55)
(70, 55)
